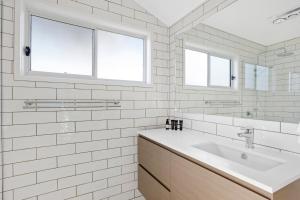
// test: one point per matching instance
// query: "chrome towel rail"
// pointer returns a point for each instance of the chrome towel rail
(222, 102)
(35, 104)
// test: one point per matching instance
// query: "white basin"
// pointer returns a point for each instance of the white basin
(251, 160)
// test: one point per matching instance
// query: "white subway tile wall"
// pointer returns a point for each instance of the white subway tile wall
(91, 154)
(86, 154)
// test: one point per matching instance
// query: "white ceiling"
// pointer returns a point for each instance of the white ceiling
(169, 11)
(252, 19)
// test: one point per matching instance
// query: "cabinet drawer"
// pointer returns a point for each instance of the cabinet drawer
(193, 182)
(151, 188)
(155, 159)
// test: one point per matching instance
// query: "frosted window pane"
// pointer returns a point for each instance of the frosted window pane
(120, 57)
(219, 71)
(262, 78)
(61, 48)
(195, 68)
(249, 76)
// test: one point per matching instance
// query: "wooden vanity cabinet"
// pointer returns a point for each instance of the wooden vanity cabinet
(167, 175)
(150, 187)
(155, 160)
(193, 182)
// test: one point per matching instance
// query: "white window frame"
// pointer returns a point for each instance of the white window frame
(26, 8)
(209, 54)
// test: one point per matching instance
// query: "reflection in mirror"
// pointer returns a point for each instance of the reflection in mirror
(241, 63)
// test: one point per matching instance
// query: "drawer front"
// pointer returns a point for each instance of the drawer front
(155, 159)
(151, 188)
(193, 182)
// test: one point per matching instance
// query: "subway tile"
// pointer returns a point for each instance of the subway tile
(33, 117)
(91, 166)
(105, 95)
(74, 159)
(18, 131)
(55, 173)
(108, 192)
(115, 8)
(106, 114)
(129, 150)
(91, 146)
(204, 127)
(218, 119)
(34, 141)
(34, 93)
(127, 95)
(120, 179)
(91, 187)
(258, 124)
(34, 190)
(18, 181)
(228, 131)
(74, 180)
(119, 161)
(34, 166)
(145, 122)
(133, 185)
(105, 154)
(106, 134)
(58, 150)
(290, 128)
(120, 142)
(91, 125)
(65, 116)
(131, 168)
(74, 137)
(51, 128)
(122, 123)
(124, 195)
(107, 173)
(73, 94)
(83, 197)
(54, 85)
(59, 194)
(19, 156)
(131, 114)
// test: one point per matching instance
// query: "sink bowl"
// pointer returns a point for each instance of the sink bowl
(250, 160)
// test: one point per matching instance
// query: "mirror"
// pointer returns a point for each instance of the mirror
(243, 61)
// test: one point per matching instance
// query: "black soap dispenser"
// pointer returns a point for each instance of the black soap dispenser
(168, 124)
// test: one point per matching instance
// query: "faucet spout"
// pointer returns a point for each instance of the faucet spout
(248, 134)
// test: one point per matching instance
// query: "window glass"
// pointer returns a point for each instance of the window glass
(262, 78)
(120, 57)
(220, 71)
(195, 68)
(250, 76)
(60, 48)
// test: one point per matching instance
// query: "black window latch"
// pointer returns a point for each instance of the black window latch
(27, 51)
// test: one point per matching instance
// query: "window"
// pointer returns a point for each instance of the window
(220, 71)
(122, 54)
(62, 48)
(204, 69)
(256, 77)
(262, 78)
(195, 68)
(250, 76)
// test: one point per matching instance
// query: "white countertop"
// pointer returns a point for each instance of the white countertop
(270, 181)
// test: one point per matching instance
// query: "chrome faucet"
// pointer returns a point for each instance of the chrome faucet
(249, 135)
